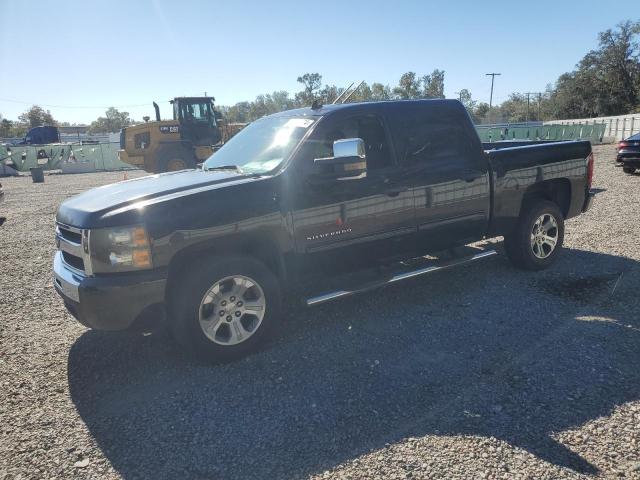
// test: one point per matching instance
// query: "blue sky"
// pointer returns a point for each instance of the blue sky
(122, 53)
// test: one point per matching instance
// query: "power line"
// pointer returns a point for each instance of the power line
(74, 106)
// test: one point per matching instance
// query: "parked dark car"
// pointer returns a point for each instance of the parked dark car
(320, 202)
(628, 155)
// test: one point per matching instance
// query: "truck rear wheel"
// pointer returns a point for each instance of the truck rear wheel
(537, 238)
(225, 309)
(629, 170)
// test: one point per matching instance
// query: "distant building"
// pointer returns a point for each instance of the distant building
(74, 129)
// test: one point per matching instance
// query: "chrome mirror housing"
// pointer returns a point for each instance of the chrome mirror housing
(349, 161)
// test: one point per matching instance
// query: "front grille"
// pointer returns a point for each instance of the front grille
(73, 261)
(72, 236)
(70, 243)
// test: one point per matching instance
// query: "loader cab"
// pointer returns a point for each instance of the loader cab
(197, 120)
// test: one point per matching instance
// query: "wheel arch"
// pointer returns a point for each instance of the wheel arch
(557, 190)
(263, 248)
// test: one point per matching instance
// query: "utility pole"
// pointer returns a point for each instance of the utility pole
(539, 103)
(528, 94)
(526, 120)
(493, 76)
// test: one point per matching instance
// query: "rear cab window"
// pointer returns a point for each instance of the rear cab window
(432, 135)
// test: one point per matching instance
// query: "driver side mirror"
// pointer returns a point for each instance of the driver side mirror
(349, 161)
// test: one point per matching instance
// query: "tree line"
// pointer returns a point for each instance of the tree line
(37, 116)
(606, 81)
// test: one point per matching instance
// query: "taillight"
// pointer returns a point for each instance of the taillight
(590, 170)
(622, 145)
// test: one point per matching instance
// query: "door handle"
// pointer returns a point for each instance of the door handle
(395, 191)
(471, 175)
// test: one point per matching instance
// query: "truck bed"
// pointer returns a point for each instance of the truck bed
(544, 168)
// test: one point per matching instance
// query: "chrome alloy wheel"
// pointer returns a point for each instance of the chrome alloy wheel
(232, 310)
(544, 235)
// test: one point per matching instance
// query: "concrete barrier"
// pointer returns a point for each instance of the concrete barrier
(616, 127)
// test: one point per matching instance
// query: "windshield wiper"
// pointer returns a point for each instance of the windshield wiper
(225, 167)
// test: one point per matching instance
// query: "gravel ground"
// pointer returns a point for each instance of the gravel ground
(479, 372)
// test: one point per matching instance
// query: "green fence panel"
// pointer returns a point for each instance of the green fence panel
(593, 133)
(101, 156)
(104, 156)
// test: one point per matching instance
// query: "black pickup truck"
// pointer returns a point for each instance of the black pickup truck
(302, 202)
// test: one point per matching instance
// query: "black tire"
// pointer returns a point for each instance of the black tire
(185, 308)
(518, 244)
(175, 159)
(629, 170)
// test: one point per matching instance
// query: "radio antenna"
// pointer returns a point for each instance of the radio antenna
(343, 92)
(344, 100)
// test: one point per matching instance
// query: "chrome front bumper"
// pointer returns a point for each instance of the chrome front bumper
(65, 280)
(110, 302)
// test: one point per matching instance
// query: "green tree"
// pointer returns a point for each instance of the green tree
(281, 101)
(329, 93)
(6, 126)
(606, 80)
(480, 112)
(36, 116)
(514, 109)
(465, 98)
(112, 122)
(408, 86)
(433, 84)
(469, 103)
(380, 92)
(312, 83)
(362, 94)
(11, 128)
(238, 113)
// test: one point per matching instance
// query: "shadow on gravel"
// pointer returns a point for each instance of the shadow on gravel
(484, 350)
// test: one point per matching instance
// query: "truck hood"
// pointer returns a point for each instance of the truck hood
(91, 208)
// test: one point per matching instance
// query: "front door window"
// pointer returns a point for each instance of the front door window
(197, 112)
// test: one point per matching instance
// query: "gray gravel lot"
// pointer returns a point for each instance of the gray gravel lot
(479, 372)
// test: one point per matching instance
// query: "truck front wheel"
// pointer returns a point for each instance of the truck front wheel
(174, 159)
(537, 238)
(225, 309)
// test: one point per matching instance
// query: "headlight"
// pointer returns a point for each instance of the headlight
(120, 249)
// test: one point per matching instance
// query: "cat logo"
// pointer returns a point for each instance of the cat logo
(170, 128)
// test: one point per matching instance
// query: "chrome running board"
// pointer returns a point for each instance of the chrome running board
(326, 297)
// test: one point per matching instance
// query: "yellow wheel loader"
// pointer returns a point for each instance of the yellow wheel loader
(195, 132)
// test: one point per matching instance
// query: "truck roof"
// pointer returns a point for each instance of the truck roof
(325, 109)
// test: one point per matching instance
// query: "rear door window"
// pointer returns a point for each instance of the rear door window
(431, 136)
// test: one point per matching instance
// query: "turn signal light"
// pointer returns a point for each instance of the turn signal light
(139, 236)
(141, 258)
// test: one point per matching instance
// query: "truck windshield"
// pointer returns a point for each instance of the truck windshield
(262, 145)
